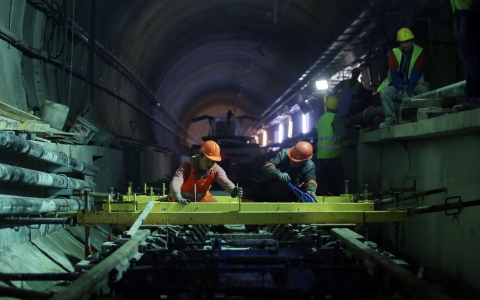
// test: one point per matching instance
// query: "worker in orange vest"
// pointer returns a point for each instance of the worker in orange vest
(194, 177)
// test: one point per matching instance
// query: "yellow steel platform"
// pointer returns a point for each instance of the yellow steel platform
(170, 213)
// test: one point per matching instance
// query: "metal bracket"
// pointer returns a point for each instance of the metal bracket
(32, 226)
(459, 210)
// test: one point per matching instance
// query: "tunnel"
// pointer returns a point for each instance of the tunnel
(108, 107)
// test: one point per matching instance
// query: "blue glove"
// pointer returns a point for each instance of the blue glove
(284, 177)
(237, 192)
(183, 201)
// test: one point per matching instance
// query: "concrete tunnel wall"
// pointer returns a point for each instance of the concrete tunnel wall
(449, 161)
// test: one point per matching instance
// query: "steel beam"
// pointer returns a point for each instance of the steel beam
(397, 273)
(141, 218)
(245, 207)
(242, 217)
(96, 278)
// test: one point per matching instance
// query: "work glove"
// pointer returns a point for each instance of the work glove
(402, 94)
(313, 194)
(284, 177)
(183, 201)
(237, 192)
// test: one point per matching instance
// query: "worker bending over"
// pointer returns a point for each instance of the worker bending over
(405, 76)
(194, 177)
(331, 130)
(292, 165)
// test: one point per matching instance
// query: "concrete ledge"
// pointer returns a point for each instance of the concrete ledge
(460, 123)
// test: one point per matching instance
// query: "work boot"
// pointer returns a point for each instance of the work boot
(471, 103)
(389, 122)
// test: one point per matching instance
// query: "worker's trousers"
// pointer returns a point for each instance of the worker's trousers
(330, 176)
(466, 29)
(389, 95)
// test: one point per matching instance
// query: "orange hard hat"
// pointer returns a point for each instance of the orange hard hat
(302, 151)
(211, 150)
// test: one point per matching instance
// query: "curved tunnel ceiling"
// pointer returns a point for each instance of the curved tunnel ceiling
(206, 57)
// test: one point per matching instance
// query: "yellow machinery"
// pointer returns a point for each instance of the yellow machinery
(342, 210)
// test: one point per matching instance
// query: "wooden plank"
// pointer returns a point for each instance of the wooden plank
(433, 102)
(34, 127)
(427, 112)
(12, 116)
(435, 110)
(18, 112)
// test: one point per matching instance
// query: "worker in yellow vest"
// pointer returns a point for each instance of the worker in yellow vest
(349, 92)
(331, 130)
(405, 75)
(466, 15)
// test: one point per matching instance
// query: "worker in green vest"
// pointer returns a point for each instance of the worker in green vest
(466, 15)
(349, 92)
(405, 76)
(331, 130)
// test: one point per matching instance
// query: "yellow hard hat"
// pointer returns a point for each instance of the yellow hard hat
(332, 102)
(404, 34)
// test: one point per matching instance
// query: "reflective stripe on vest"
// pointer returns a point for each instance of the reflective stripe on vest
(356, 86)
(398, 55)
(329, 144)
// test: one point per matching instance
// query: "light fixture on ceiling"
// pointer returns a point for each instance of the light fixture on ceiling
(321, 85)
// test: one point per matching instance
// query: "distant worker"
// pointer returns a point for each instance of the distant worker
(192, 180)
(230, 114)
(349, 92)
(405, 76)
(292, 165)
(466, 16)
(331, 130)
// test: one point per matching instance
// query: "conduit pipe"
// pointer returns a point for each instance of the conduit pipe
(11, 205)
(450, 91)
(14, 143)
(37, 178)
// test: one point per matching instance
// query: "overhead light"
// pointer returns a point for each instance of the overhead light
(280, 133)
(321, 85)
(304, 123)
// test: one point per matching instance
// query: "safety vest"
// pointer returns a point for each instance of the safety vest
(398, 55)
(202, 185)
(329, 143)
(356, 86)
(460, 4)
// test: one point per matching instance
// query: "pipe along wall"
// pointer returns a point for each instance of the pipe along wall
(21, 205)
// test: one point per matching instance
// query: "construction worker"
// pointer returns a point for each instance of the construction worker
(349, 92)
(331, 130)
(466, 15)
(292, 165)
(192, 180)
(405, 76)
